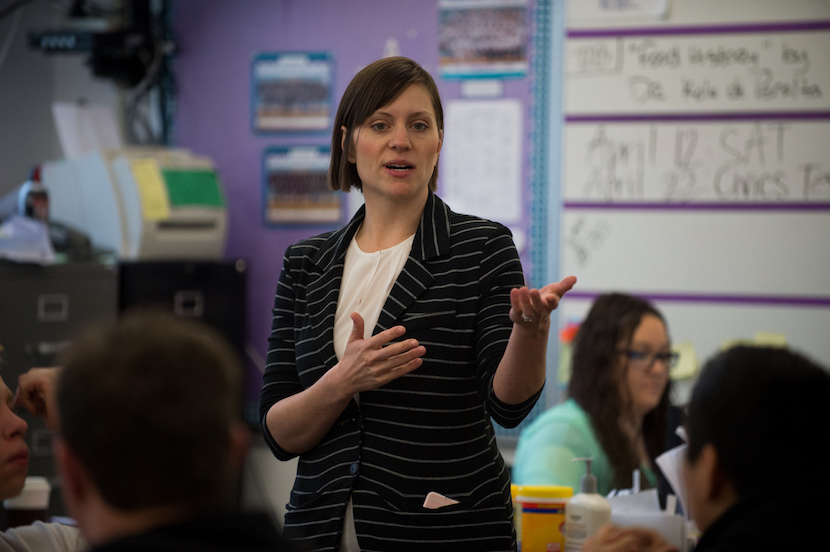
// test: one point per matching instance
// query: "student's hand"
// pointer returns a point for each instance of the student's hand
(610, 538)
(36, 393)
(532, 307)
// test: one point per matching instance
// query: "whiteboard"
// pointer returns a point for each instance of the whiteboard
(698, 70)
(770, 161)
(696, 172)
(744, 253)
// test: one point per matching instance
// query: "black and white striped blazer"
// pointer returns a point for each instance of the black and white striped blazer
(429, 430)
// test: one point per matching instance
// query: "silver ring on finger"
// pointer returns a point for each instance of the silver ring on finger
(526, 318)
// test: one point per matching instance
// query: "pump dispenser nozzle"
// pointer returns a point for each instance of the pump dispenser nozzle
(586, 512)
(588, 482)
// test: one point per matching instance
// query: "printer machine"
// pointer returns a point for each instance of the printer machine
(143, 203)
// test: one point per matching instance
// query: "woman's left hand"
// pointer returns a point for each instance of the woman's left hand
(532, 307)
(521, 372)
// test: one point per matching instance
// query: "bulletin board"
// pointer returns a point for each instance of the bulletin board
(695, 173)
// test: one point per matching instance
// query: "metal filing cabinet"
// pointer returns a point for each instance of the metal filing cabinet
(41, 309)
(212, 292)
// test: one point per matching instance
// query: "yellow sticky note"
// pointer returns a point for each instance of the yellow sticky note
(771, 339)
(687, 364)
(563, 374)
(735, 343)
(155, 205)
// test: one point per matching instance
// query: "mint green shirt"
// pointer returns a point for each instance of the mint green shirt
(547, 446)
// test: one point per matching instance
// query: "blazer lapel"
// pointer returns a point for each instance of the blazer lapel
(432, 239)
(324, 287)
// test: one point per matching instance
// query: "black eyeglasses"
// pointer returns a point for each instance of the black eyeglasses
(642, 360)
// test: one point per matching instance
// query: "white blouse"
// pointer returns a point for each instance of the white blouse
(367, 280)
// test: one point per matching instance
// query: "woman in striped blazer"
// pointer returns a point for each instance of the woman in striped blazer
(395, 340)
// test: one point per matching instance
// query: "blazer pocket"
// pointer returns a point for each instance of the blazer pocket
(428, 320)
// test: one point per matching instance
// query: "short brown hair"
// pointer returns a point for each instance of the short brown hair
(376, 85)
(147, 404)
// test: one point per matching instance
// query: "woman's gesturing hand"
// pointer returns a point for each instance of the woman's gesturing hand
(369, 363)
(532, 307)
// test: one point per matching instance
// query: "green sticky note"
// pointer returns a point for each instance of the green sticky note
(193, 188)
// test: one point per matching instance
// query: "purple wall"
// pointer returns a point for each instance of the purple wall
(217, 39)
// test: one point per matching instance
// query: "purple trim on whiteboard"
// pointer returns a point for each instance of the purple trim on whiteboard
(735, 116)
(698, 206)
(782, 300)
(701, 29)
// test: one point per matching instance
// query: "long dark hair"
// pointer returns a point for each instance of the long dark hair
(595, 383)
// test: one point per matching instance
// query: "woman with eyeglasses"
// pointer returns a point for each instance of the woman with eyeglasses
(617, 406)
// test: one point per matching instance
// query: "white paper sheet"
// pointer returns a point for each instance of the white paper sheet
(591, 9)
(481, 159)
(671, 463)
(84, 128)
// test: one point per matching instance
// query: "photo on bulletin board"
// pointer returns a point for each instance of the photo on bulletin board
(294, 186)
(291, 91)
(482, 38)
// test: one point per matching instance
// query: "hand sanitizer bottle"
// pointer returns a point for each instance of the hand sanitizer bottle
(586, 512)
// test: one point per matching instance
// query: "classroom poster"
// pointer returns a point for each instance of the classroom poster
(291, 91)
(482, 38)
(295, 188)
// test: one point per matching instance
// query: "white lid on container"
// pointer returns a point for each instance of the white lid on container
(34, 496)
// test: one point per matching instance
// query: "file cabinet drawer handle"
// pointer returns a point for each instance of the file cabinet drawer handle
(189, 304)
(53, 307)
